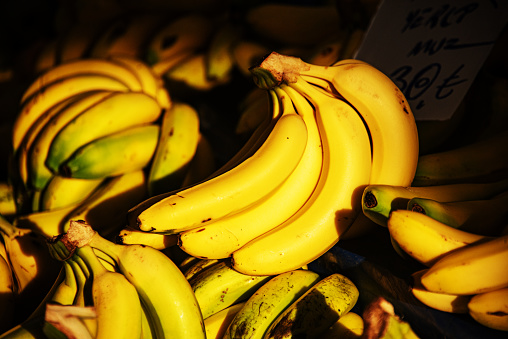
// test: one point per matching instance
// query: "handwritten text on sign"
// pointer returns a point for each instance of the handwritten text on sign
(433, 49)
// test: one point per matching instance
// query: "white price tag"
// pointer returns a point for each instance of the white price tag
(433, 49)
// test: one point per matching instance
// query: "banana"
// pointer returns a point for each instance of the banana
(216, 325)
(199, 266)
(115, 299)
(473, 269)
(317, 309)
(126, 151)
(177, 144)
(7, 201)
(270, 300)
(218, 53)
(444, 302)
(7, 296)
(490, 309)
(240, 187)
(166, 296)
(40, 175)
(187, 262)
(481, 160)
(349, 326)
(247, 53)
(128, 236)
(115, 113)
(254, 109)
(426, 239)
(185, 33)
(220, 286)
(385, 111)
(335, 201)
(485, 217)
(226, 235)
(57, 91)
(202, 164)
(61, 192)
(378, 201)
(97, 66)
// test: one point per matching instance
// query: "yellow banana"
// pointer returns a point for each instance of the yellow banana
(486, 217)
(226, 235)
(115, 113)
(97, 66)
(349, 326)
(199, 266)
(317, 309)
(203, 163)
(220, 286)
(481, 160)
(7, 296)
(451, 303)
(490, 309)
(334, 203)
(128, 236)
(216, 325)
(473, 269)
(177, 144)
(218, 54)
(167, 297)
(268, 302)
(61, 192)
(7, 201)
(56, 92)
(378, 201)
(235, 189)
(426, 239)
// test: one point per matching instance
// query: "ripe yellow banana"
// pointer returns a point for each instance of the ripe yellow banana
(218, 53)
(61, 192)
(217, 324)
(486, 217)
(378, 201)
(490, 309)
(476, 268)
(54, 93)
(235, 189)
(349, 326)
(317, 309)
(426, 239)
(268, 302)
(39, 173)
(451, 303)
(177, 144)
(7, 296)
(166, 296)
(334, 203)
(220, 238)
(220, 286)
(477, 161)
(115, 113)
(198, 266)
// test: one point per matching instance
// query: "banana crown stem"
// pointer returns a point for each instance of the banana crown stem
(276, 69)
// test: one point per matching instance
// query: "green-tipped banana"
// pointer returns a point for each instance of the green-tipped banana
(123, 152)
(317, 309)
(270, 300)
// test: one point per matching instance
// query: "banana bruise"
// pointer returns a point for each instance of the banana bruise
(220, 286)
(426, 239)
(241, 186)
(270, 300)
(473, 269)
(334, 203)
(127, 151)
(232, 232)
(317, 309)
(116, 113)
(490, 309)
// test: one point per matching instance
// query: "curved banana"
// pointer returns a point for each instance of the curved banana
(378, 201)
(56, 92)
(97, 66)
(128, 236)
(349, 326)
(317, 309)
(222, 237)
(113, 114)
(485, 217)
(126, 151)
(473, 269)
(220, 286)
(451, 303)
(476, 161)
(62, 192)
(216, 325)
(7, 296)
(426, 239)
(39, 174)
(490, 309)
(334, 203)
(202, 164)
(235, 189)
(268, 302)
(218, 53)
(177, 145)
(167, 297)
(199, 266)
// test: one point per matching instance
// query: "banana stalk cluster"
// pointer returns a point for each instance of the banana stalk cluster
(453, 221)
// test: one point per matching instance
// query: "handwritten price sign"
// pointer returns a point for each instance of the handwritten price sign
(433, 49)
